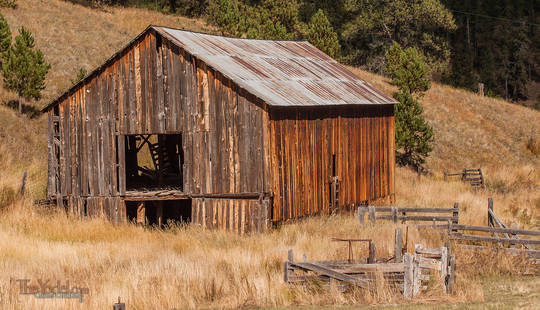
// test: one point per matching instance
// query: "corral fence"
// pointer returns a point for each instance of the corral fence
(475, 177)
(408, 272)
(404, 214)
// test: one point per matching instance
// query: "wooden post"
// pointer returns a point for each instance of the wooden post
(444, 264)
(394, 214)
(408, 275)
(23, 184)
(490, 207)
(455, 214)
(416, 277)
(159, 213)
(452, 275)
(398, 246)
(481, 89)
(371, 258)
(141, 213)
(371, 212)
(361, 215)
(119, 305)
(290, 259)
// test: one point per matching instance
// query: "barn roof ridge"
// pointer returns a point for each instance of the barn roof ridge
(281, 73)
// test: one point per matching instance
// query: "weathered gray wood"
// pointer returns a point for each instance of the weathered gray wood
(290, 256)
(418, 218)
(459, 236)
(414, 209)
(314, 267)
(361, 215)
(418, 249)
(394, 214)
(485, 229)
(371, 258)
(408, 275)
(398, 246)
(360, 268)
(371, 212)
(512, 251)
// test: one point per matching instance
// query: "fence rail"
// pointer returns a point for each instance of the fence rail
(402, 214)
(473, 176)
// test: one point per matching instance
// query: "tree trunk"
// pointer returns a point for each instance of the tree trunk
(20, 105)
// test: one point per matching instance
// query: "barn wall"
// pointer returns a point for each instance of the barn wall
(302, 144)
(237, 215)
(156, 88)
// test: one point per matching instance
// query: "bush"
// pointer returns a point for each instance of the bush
(8, 4)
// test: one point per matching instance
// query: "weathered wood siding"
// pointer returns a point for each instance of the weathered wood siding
(238, 215)
(302, 144)
(156, 88)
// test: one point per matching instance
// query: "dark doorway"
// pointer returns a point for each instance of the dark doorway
(154, 162)
(150, 212)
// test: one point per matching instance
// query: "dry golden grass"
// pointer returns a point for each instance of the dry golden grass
(184, 267)
(189, 267)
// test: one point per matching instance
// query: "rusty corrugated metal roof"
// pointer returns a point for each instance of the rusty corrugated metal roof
(282, 73)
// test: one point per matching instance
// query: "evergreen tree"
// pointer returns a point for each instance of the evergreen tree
(414, 136)
(322, 35)
(24, 68)
(5, 35)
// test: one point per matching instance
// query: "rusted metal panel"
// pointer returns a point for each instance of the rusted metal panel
(282, 73)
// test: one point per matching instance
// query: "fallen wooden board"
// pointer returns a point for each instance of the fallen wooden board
(329, 273)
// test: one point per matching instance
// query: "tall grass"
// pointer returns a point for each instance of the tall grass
(189, 267)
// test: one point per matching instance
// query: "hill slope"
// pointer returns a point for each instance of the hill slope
(469, 130)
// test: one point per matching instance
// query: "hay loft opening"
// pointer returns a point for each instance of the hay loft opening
(154, 162)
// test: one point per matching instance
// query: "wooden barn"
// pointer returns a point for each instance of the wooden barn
(227, 133)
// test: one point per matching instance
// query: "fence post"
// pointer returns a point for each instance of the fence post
(444, 265)
(452, 275)
(398, 246)
(23, 184)
(119, 305)
(408, 275)
(361, 215)
(371, 258)
(371, 212)
(490, 207)
(455, 214)
(394, 214)
(290, 259)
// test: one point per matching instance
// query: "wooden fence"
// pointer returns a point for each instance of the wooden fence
(409, 273)
(405, 214)
(473, 176)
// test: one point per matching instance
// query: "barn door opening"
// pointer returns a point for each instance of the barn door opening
(159, 213)
(334, 186)
(154, 162)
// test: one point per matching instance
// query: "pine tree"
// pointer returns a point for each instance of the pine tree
(414, 135)
(24, 68)
(322, 35)
(5, 35)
